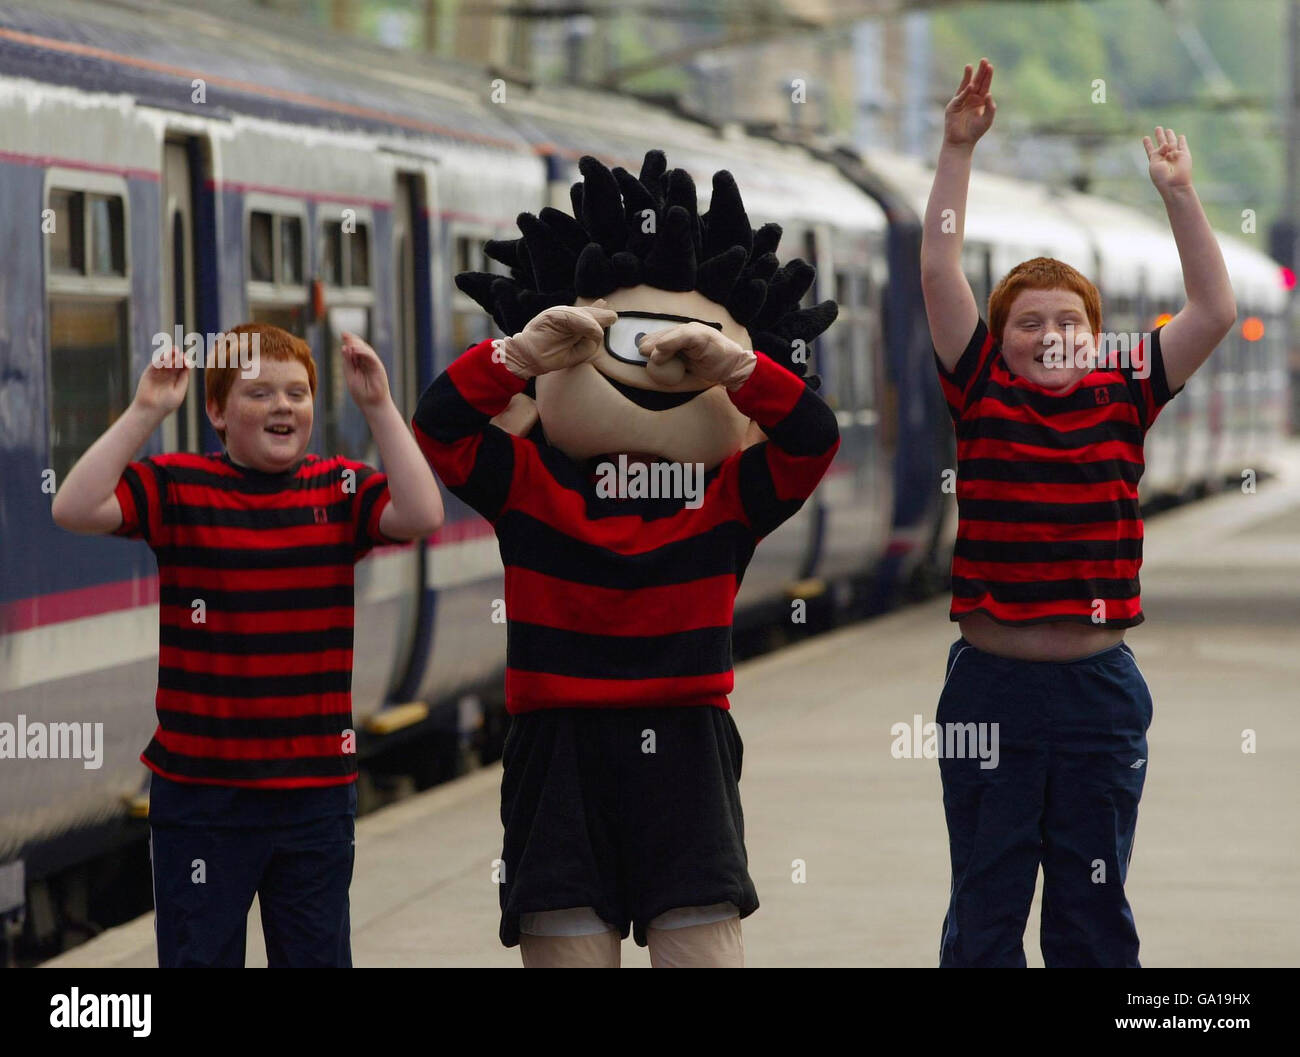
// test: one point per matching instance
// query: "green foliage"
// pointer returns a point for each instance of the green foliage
(1048, 55)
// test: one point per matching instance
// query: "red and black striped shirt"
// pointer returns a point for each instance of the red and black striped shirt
(255, 574)
(1047, 487)
(620, 602)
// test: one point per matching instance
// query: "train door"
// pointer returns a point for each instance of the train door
(176, 294)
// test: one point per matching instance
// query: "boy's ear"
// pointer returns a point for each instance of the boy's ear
(215, 416)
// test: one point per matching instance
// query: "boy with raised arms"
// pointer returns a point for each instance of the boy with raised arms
(254, 759)
(1045, 572)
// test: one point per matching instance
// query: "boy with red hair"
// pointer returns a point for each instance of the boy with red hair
(1045, 572)
(254, 759)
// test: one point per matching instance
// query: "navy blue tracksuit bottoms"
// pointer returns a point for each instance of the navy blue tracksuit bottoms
(1071, 760)
(215, 847)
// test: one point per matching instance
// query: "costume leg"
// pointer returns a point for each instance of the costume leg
(993, 813)
(697, 938)
(568, 939)
(1094, 785)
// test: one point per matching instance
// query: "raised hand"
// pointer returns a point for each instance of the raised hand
(1170, 162)
(560, 337)
(707, 353)
(969, 114)
(364, 371)
(162, 386)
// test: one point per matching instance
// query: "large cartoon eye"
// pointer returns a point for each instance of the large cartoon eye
(622, 337)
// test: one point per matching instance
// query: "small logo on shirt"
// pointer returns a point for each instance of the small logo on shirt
(320, 514)
(1136, 765)
(1102, 394)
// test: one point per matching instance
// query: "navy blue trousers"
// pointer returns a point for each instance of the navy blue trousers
(214, 848)
(1072, 758)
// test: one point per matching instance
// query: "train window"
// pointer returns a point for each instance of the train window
(845, 291)
(813, 257)
(107, 239)
(469, 255)
(291, 250)
(866, 343)
(88, 229)
(359, 274)
(89, 379)
(345, 270)
(68, 237)
(87, 311)
(275, 250)
(345, 255)
(277, 266)
(261, 248)
(345, 431)
(469, 323)
(331, 261)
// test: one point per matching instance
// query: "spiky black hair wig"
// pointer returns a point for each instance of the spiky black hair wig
(628, 230)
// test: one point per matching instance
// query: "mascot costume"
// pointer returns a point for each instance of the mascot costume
(647, 450)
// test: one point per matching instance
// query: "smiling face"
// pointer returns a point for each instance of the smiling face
(1040, 320)
(267, 418)
(612, 405)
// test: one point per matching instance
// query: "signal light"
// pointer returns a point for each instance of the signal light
(1288, 278)
(1252, 328)
(1161, 320)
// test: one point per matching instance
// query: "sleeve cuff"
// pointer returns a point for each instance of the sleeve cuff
(376, 514)
(768, 381)
(480, 373)
(1159, 379)
(965, 367)
(126, 500)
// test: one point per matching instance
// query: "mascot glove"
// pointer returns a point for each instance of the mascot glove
(708, 353)
(560, 337)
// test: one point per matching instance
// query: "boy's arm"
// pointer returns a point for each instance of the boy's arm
(86, 501)
(415, 504)
(949, 302)
(778, 474)
(1187, 340)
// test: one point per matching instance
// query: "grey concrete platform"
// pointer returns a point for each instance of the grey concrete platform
(1213, 876)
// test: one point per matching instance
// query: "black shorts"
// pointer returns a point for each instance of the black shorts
(630, 811)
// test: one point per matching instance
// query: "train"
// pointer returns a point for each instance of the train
(165, 168)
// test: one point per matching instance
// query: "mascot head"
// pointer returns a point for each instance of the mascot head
(641, 244)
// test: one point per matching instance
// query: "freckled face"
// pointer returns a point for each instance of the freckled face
(267, 418)
(1041, 320)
